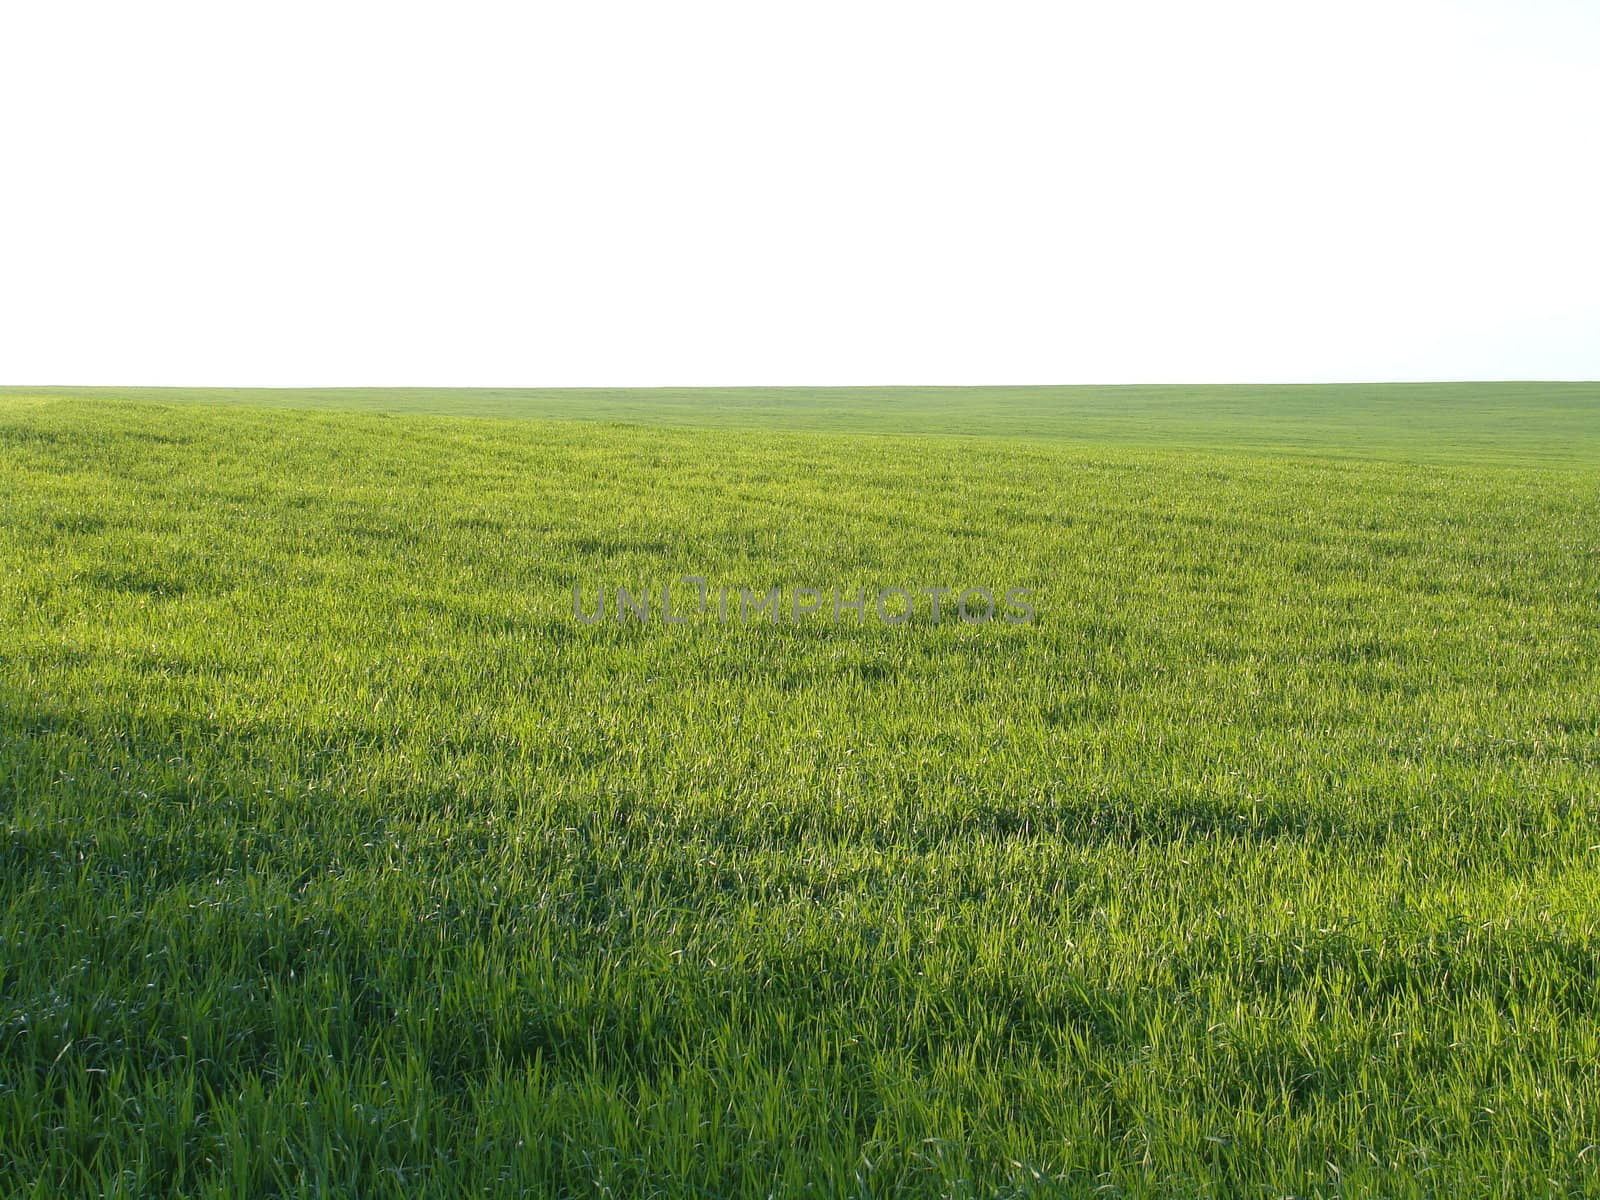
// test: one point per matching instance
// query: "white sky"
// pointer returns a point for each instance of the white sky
(803, 193)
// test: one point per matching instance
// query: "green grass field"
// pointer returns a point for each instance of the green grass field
(1531, 424)
(338, 858)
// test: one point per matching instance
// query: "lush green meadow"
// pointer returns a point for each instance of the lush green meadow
(339, 858)
(1531, 424)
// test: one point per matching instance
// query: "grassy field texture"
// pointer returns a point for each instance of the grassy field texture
(337, 858)
(1534, 424)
